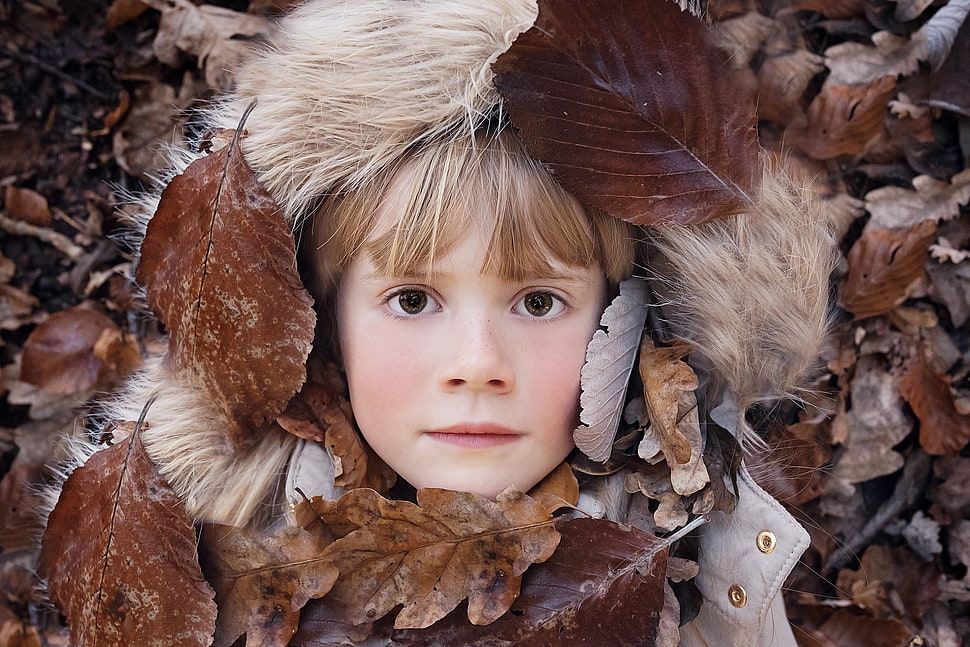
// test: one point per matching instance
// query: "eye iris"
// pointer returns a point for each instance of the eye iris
(412, 301)
(538, 304)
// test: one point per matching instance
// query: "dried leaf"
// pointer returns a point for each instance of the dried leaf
(262, 580)
(216, 35)
(119, 355)
(782, 83)
(606, 373)
(603, 586)
(559, 489)
(855, 63)
(845, 627)
(618, 104)
(27, 206)
(883, 265)
(59, 354)
(119, 555)
(891, 582)
(219, 267)
(841, 120)
(668, 390)
(943, 430)
(18, 516)
(431, 556)
(894, 207)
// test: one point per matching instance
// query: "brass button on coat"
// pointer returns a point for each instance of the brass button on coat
(737, 595)
(766, 541)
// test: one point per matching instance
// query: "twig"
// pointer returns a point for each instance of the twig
(908, 489)
(56, 71)
(49, 236)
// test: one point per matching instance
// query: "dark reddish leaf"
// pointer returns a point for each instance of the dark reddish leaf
(219, 266)
(942, 428)
(119, 555)
(602, 586)
(262, 580)
(635, 109)
(59, 354)
(883, 264)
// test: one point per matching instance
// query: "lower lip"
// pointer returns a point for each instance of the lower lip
(474, 441)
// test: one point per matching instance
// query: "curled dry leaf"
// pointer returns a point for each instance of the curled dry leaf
(431, 556)
(841, 120)
(606, 373)
(321, 414)
(630, 132)
(894, 207)
(219, 266)
(262, 580)
(59, 355)
(943, 430)
(559, 489)
(883, 265)
(603, 586)
(668, 390)
(119, 556)
(855, 63)
(216, 35)
(783, 80)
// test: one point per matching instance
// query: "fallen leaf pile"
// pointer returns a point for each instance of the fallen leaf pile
(872, 99)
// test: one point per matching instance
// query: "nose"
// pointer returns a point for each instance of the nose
(477, 357)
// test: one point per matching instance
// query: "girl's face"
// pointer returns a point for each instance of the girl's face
(466, 381)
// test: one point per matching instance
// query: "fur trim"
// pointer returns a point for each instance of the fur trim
(751, 292)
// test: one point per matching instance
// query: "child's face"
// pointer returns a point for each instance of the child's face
(466, 381)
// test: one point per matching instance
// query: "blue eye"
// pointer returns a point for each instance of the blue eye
(540, 304)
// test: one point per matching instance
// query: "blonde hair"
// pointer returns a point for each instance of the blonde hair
(419, 209)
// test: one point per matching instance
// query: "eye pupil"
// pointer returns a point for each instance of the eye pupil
(538, 304)
(412, 301)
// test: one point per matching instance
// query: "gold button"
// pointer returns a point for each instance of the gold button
(766, 541)
(737, 595)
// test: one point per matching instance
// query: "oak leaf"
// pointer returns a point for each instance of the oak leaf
(119, 556)
(59, 354)
(783, 80)
(606, 373)
(262, 580)
(855, 63)
(219, 266)
(883, 266)
(431, 556)
(943, 430)
(893, 207)
(603, 586)
(618, 104)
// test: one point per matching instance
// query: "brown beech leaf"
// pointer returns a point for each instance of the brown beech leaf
(603, 586)
(846, 627)
(119, 555)
(219, 266)
(262, 580)
(28, 206)
(842, 119)
(942, 430)
(636, 110)
(59, 355)
(783, 80)
(883, 264)
(430, 556)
